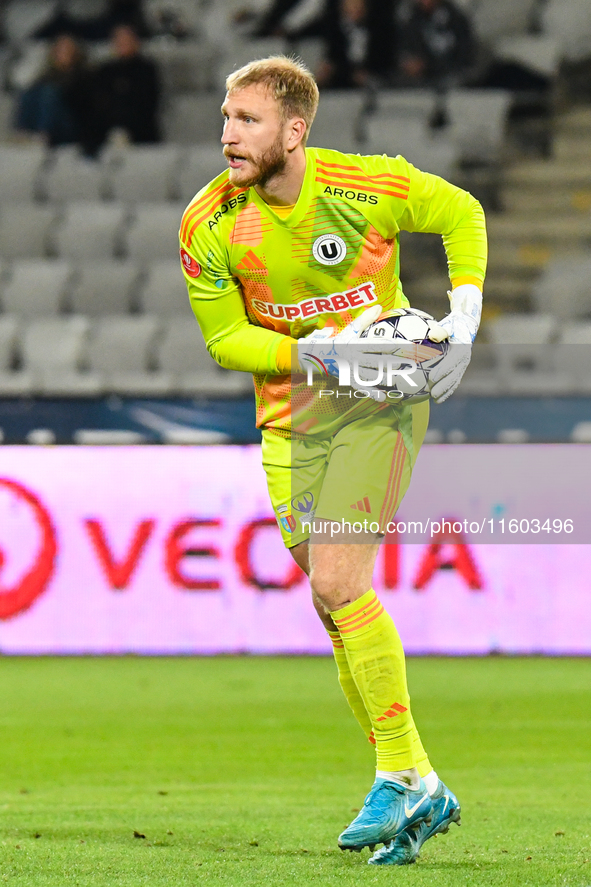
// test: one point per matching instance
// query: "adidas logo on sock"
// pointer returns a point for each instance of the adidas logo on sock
(393, 712)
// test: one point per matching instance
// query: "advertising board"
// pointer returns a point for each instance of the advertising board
(175, 550)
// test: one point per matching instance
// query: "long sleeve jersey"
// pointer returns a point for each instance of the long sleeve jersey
(257, 280)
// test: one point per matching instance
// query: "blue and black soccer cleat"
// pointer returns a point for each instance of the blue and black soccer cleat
(406, 846)
(389, 809)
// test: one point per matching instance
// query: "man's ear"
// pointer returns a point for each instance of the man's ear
(296, 132)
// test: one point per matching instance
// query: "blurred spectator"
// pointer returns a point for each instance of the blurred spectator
(358, 36)
(167, 19)
(272, 21)
(98, 27)
(437, 45)
(57, 104)
(126, 93)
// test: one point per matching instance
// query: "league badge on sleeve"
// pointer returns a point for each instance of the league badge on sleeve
(286, 519)
(191, 266)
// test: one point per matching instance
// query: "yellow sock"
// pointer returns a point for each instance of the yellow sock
(357, 706)
(376, 659)
(349, 687)
(422, 762)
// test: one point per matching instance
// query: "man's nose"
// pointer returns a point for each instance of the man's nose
(229, 134)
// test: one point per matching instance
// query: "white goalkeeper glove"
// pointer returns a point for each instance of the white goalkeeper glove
(464, 318)
(461, 326)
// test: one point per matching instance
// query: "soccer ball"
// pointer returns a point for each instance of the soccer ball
(413, 356)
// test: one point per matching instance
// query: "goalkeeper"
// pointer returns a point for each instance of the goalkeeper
(288, 252)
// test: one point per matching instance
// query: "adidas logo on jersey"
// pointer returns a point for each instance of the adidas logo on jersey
(251, 262)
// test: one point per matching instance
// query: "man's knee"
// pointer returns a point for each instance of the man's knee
(335, 588)
(339, 574)
(326, 587)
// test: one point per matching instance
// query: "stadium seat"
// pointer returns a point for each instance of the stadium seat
(122, 349)
(522, 329)
(165, 291)
(106, 287)
(492, 20)
(54, 351)
(526, 359)
(183, 355)
(403, 103)
(199, 167)
(70, 176)
(21, 18)
(563, 289)
(13, 382)
(90, 230)
(153, 234)
(8, 341)
(194, 119)
(575, 334)
(429, 152)
(482, 377)
(36, 287)
(184, 66)
(573, 355)
(537, 52)
(17, 383)
(478, 118)
(146, 172)
(24, 228)
(338, 121)
(19, 171)
(6, 113)
(568, 24)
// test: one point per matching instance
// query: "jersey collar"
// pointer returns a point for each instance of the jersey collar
(302, 203)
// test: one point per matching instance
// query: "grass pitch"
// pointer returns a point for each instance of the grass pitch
(125, 772)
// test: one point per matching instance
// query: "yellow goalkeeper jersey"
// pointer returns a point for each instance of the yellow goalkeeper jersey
(256, 277)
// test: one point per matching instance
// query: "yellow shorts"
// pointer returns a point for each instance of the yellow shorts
(359, 474)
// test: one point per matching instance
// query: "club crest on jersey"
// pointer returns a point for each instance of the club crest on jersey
(191, 266)
(329, 249)
(286, 519)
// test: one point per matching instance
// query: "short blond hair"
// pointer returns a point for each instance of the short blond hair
(288, 80)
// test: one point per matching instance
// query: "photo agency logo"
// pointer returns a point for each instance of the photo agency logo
(388, 377)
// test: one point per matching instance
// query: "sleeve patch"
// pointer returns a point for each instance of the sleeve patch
(191, 266)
